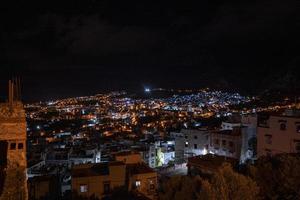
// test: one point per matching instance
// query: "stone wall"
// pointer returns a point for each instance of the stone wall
(13, 131)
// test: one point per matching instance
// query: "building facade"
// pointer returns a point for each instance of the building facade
(100, 180)
(226, 143)
(279, 134)
(97, 180)
(13, 163)
(191, 142)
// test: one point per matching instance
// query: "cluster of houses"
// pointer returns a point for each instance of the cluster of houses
(97, 170)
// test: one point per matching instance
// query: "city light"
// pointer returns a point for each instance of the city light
(147, 90)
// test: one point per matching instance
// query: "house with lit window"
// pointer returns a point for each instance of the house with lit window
(191, 142)
(279, 133)
(142, 179)
(98, 179)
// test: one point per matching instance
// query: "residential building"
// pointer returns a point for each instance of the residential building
(191, 142)
(98, 179)
(142, 179)
(226, 143)
(13, 138)
(279, 133)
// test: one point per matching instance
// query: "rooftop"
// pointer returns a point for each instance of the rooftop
(38, 179)
(140, 168)
(126, 153)
(210, 161)
(99, 169)
(234, 132)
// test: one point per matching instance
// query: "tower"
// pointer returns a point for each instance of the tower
(13, 163)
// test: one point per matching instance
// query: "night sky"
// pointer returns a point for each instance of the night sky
(70, 48)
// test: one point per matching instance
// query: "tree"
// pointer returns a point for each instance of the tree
(120, 193)
(179, 187)
(207, 192)
(227, 184)
(278, 177)
(224, 185)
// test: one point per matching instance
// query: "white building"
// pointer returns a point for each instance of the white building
(232, 140)
(279, 133)
(190, 142)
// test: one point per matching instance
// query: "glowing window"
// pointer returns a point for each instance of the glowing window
(138, 183)
(186, 144)
(83, 188)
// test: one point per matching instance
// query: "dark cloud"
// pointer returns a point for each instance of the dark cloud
(84, 44)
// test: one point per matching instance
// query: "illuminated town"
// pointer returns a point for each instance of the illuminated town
(156, 137)
(149, 100)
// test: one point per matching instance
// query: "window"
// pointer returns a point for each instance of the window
(20, 146)
(224, 142)
(268, 152)
(195, 146)
(298, 128)
(195, 137)
(83, 188)
(186, 144)
(186, 137)
(106, 187)
(137, 183)
(297, 147)
(268, 139)
(13, 146)
(216, 141)
(152, 187)
(230, 144)
(283, 126)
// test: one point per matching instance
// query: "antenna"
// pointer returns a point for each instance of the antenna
(15, 89)
(10, 93)
(19, 88)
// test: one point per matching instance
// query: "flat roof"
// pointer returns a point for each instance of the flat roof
(140, 168)
(126, 153)
(234, 132)
(210, 161)
(99, 169)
